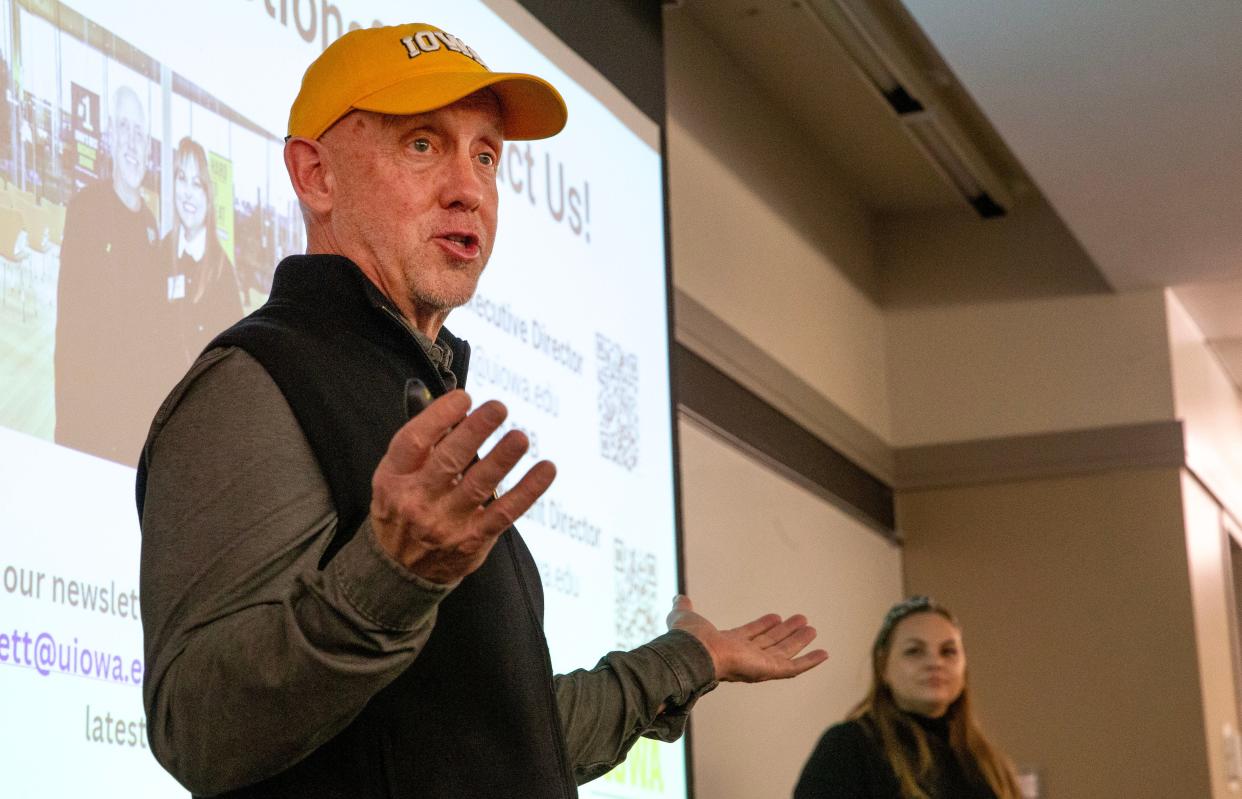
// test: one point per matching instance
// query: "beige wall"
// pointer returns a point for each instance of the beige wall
(783, 257)
(965, 372)
(1207, 554)
(1208, 404)
(755, 543)
(1077, 617)
(766, 242)
(1211, 412)
(930, 258)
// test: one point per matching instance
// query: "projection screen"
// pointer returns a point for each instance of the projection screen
(569, 328)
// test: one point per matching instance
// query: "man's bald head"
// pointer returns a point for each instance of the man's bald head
(410, 199)
(130, 143)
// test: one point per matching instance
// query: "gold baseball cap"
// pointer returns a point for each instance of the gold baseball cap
(412, 69)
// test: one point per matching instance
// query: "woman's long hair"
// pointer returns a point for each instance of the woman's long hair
(213, 263)
(977, 757)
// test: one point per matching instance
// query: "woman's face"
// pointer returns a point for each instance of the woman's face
(190, 191)
(926, 668)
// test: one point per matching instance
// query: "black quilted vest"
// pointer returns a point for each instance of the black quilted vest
(475, 714)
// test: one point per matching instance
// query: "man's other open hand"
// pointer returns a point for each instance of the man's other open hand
(765, 649)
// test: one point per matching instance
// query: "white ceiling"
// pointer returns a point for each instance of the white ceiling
(1125, 114)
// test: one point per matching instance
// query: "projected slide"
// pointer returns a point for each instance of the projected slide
(143, 208)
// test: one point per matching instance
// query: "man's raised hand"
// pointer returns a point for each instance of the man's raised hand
(429, 505)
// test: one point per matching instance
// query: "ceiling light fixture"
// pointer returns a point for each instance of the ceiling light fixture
(879, 59)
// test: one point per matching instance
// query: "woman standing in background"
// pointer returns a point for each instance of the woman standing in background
(913, 736)
(202, 284)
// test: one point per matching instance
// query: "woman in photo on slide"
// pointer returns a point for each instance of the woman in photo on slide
(913, 736)
(202, 285)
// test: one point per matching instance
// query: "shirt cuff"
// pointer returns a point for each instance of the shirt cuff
(690, 663)
(382, 590)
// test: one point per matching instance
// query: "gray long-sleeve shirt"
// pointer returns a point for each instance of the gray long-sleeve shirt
(255, 656)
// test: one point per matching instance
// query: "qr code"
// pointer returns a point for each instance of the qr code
(637, 618)
(618, 402)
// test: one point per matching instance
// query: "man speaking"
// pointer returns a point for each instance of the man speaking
(335, 602)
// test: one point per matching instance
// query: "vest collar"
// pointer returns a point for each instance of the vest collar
(334, 285)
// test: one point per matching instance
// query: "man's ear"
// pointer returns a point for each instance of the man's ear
(307, 163)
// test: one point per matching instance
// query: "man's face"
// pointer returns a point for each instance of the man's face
(414, 199)
(129, 134)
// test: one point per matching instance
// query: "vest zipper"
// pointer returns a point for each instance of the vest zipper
(409, 331)
(557, 733)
